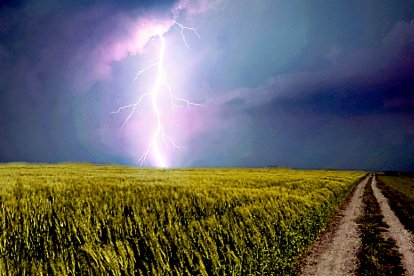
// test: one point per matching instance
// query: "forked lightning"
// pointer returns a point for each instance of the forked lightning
(161, 89)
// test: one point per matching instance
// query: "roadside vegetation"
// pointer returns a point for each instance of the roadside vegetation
(109, 220)
(399, 189)
(378, 254)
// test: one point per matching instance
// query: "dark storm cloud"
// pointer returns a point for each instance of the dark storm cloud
(325, 84)
(73, 41)
(376, 79)
(51, 51)
(356, 111)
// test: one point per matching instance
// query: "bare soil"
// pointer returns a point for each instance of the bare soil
(335, 252)
(403, 238)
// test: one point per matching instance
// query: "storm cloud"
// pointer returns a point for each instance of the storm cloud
(327, 84)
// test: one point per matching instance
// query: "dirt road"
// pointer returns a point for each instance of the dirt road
(335, 253)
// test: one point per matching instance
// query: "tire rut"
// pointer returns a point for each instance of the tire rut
(403, 238)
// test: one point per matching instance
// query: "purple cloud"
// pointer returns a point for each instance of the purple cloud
(389, 63)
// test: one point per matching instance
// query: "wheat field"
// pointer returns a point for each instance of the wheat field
(86, 219)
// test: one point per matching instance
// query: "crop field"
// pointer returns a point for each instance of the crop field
(404, 184)
(111, 220)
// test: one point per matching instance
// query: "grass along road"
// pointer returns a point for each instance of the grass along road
(399, 190)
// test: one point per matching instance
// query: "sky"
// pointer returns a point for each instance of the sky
(304, 84)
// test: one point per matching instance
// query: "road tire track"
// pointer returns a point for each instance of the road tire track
(403, 238)
(335, 252)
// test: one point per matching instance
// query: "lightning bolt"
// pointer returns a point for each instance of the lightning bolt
(160, 89)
